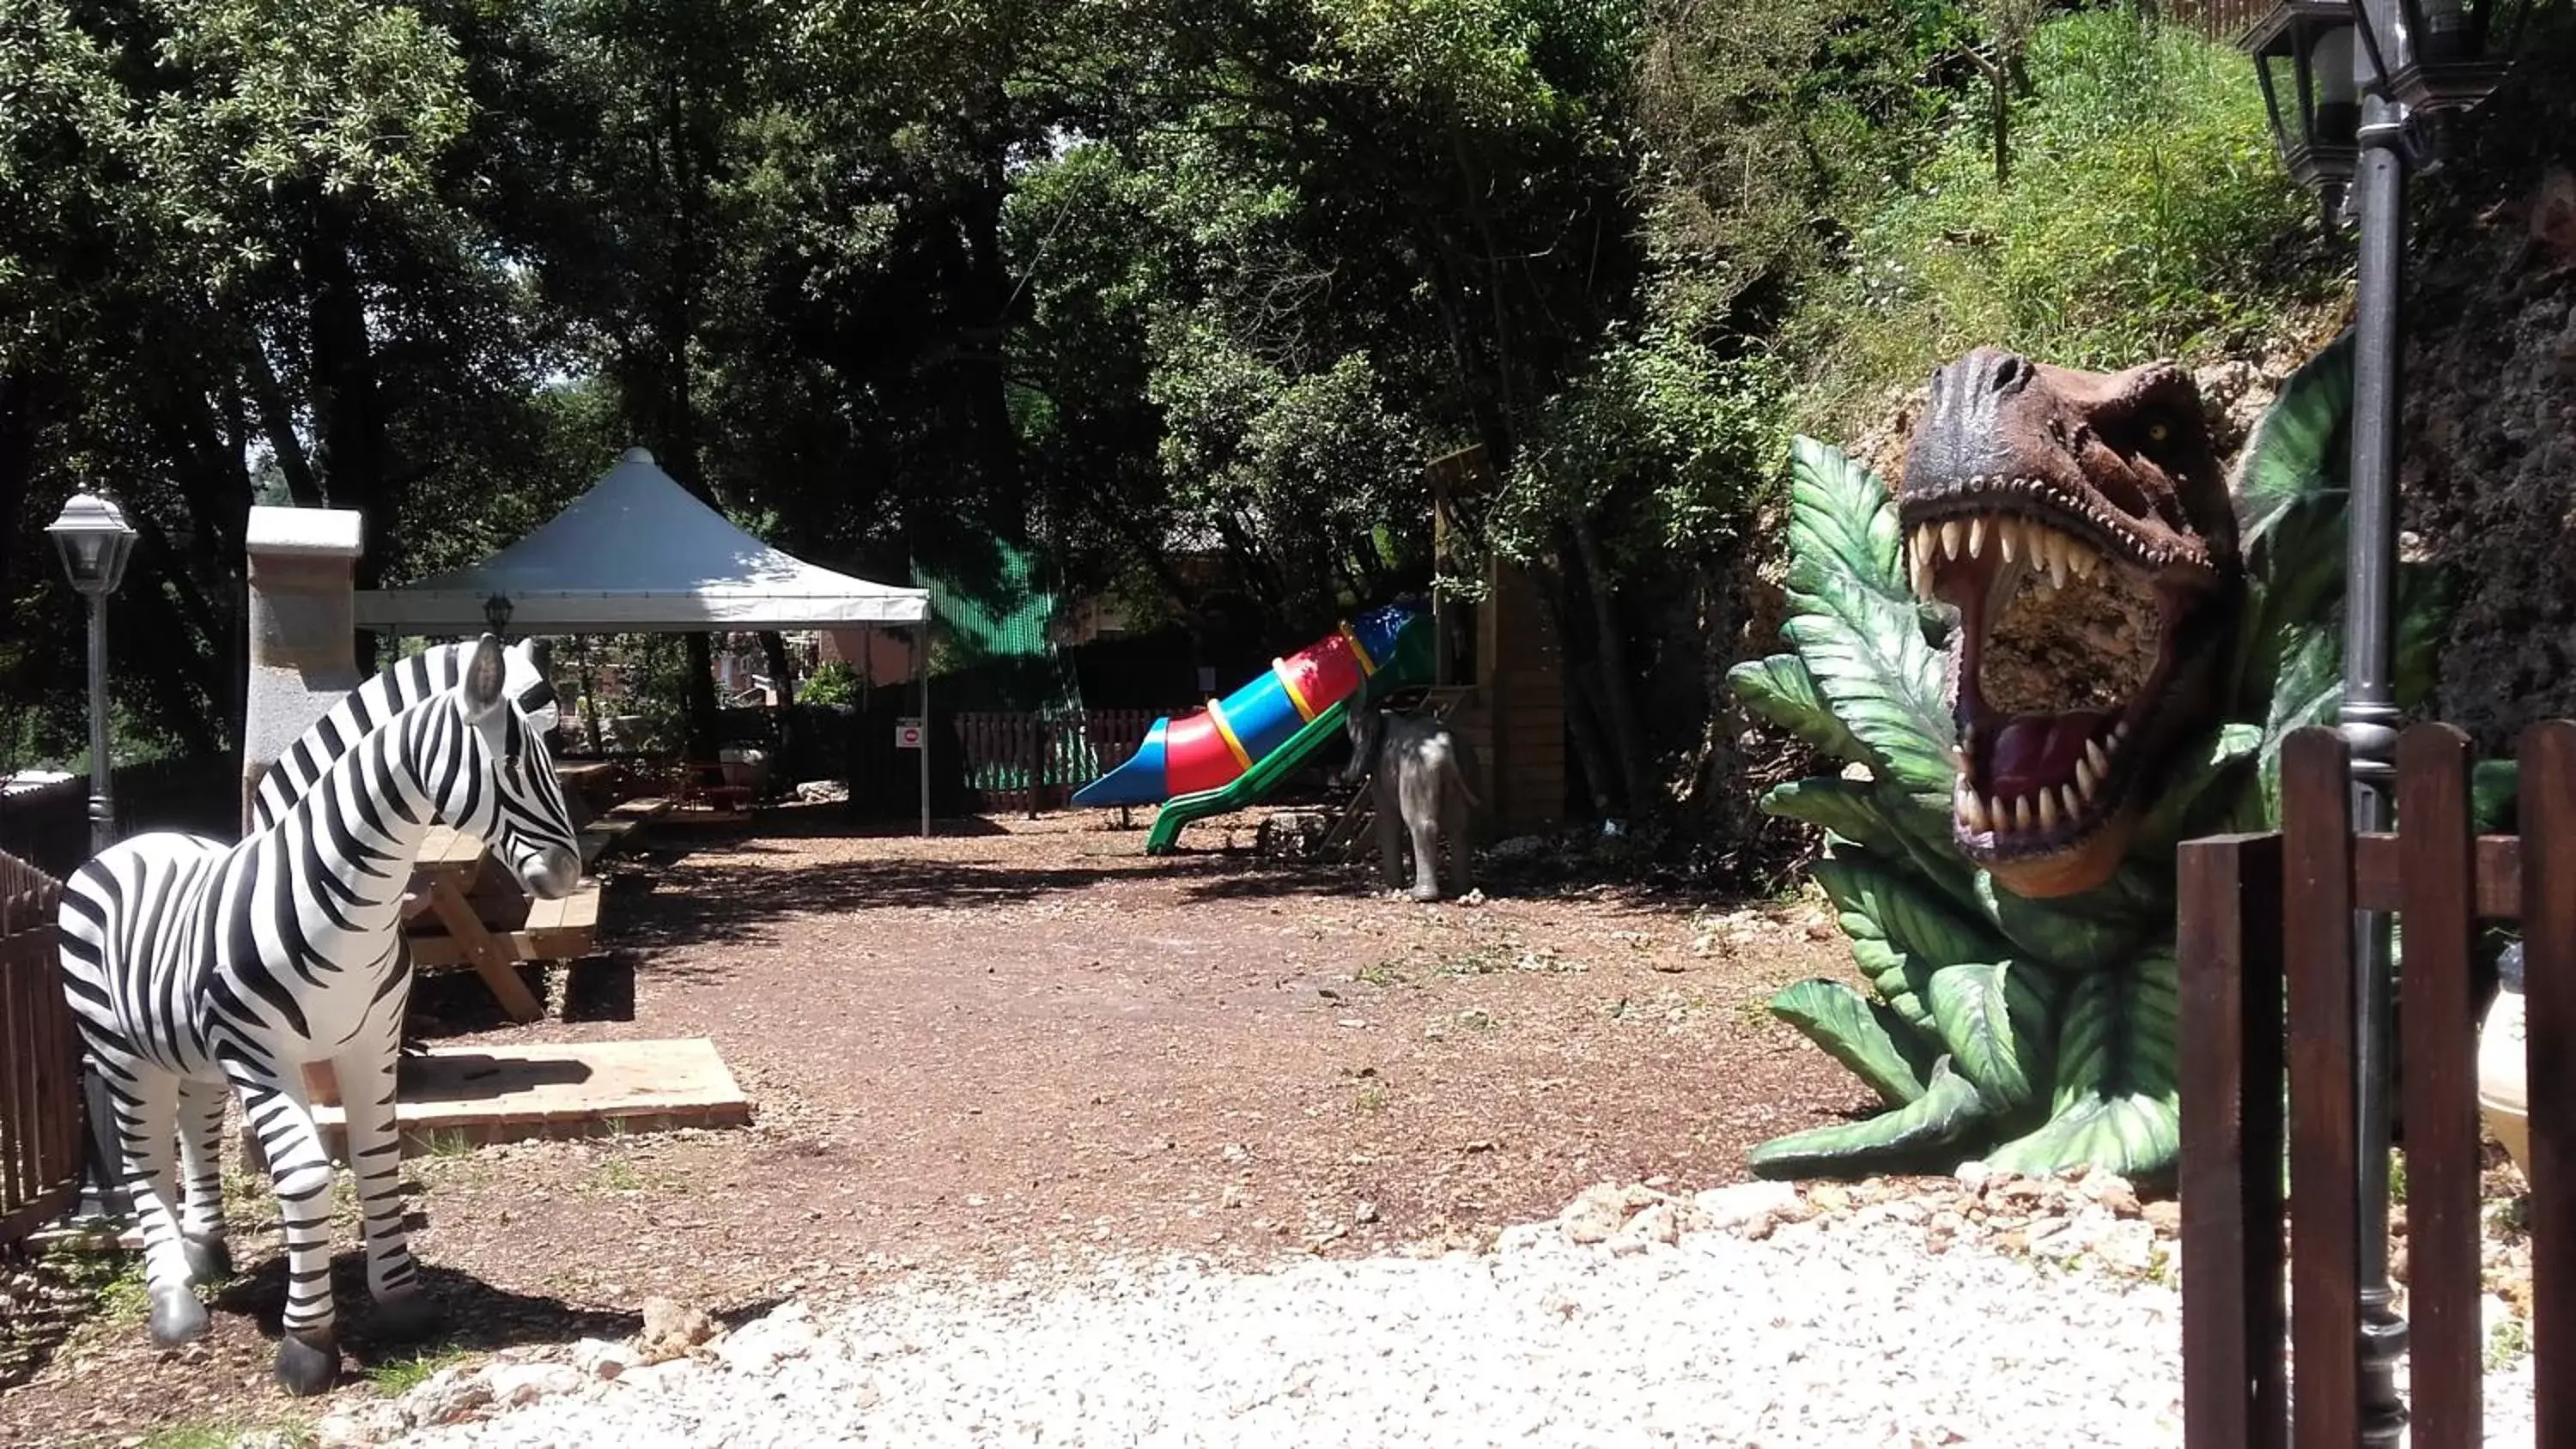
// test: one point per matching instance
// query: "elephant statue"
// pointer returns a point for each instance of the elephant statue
(1420, 772)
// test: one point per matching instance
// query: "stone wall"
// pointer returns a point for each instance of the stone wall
(2488, 479)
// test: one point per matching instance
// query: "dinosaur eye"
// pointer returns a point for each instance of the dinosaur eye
(2158, 432)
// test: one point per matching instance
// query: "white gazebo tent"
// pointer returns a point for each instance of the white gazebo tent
(638, 553)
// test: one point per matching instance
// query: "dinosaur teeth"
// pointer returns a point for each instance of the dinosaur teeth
(1971, 808)
(2047, 809)
(2074, 802)
(2096, 758)
(2087, 778)
(2008, 537)
(2024, 818)
(1977, 536)
(1952, 536)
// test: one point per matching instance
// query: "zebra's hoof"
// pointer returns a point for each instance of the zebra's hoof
(406, 1317)
(307, 1366)
(177, 1317)
(209, 1260)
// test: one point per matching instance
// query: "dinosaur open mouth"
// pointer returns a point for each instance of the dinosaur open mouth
(2063, 651)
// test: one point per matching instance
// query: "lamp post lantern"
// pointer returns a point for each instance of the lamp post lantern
(2413, 65)
(95, 540)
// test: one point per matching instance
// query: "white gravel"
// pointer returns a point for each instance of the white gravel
(1834, 1332)
(1718, 1341)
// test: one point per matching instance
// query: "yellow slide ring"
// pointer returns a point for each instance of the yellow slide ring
(1225, 732)
(1296, 696)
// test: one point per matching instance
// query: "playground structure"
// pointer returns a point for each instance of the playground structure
(1493, 670)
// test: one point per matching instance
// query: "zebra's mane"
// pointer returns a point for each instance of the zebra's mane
(403, 683)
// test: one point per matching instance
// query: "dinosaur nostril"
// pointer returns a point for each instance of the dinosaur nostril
(2010, 374)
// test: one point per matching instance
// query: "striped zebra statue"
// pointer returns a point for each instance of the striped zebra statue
(194, 966)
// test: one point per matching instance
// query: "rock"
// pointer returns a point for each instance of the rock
(821, 792)
(763, 1343)
(358, 1426)
(446, 1397)
(2128, 1243)
(1741, 1206)
(1365, 1213)
(268, 1439)
(525, 1383)
(1657, 1223)
(1974, 1173)
(600, 1359)
(672, 1329)
(2111, 1190)
(1602, 1209)
(2165, 1216)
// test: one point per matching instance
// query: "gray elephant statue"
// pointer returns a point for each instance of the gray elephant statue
(1420, 775)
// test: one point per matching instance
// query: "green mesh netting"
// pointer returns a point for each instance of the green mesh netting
(995, 650)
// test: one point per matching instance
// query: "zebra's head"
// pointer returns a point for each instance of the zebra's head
(504, 788)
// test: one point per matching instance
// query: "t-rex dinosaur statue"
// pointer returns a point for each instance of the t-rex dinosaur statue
(2080, 525)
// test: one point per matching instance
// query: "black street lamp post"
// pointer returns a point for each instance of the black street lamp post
(95, 541)
(2413, 65)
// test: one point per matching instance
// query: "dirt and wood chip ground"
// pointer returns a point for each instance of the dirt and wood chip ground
(1014, 1040)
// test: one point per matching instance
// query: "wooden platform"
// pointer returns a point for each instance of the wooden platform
(479, 1094)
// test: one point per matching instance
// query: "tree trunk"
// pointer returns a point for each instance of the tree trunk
(1591, 752)
(17, 461)
(348, 417)
(1618, 701)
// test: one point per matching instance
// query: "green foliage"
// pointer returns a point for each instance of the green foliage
(831, 683)
(2039, 1034)
(2145, 216)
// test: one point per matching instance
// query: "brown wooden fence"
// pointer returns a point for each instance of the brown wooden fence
(2220, 20)
(48, 826)
(2267, 976)
(41, 1122)
(1029, 762)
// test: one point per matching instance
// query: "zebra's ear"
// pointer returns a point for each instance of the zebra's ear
(481, 686)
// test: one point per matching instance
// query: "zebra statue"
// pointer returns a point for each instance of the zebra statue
(193, 966)
(405, 682)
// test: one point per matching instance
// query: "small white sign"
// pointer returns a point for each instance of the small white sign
(907, 734)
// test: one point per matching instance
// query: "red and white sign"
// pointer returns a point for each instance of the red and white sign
(907, 734)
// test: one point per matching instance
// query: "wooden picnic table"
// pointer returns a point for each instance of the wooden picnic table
(445, 875)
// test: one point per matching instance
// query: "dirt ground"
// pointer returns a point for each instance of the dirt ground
(1026, 1040)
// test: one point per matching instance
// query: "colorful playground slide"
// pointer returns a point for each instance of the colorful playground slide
(1238, 748)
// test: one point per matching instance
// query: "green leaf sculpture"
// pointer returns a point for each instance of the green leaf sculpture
(2038, 1035)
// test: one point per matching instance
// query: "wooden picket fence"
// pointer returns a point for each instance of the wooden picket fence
(1030, 762)
(2267, 981)
(41, 1118)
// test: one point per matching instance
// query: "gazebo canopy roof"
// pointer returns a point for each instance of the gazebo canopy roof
(639, 553)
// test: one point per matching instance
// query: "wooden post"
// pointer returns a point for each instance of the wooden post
(2228, 955)
(2316, 833)
(2446, 1334)
(2548, 827)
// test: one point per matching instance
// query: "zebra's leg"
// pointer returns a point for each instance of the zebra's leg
(366, 1070)
(273, 1098)
(146, 1102)
(201, 1162)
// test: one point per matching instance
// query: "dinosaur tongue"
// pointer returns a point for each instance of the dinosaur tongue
(2039, 751)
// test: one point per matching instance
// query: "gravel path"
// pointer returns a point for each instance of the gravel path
(1846, 1331)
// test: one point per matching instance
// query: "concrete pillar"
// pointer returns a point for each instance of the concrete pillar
(303, 628)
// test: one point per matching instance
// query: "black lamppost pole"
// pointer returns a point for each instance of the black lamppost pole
(94, 539)
(2417, 64)
(2369, 714)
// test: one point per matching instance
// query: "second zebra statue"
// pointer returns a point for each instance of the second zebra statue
(1420, 794)
(193, 966)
